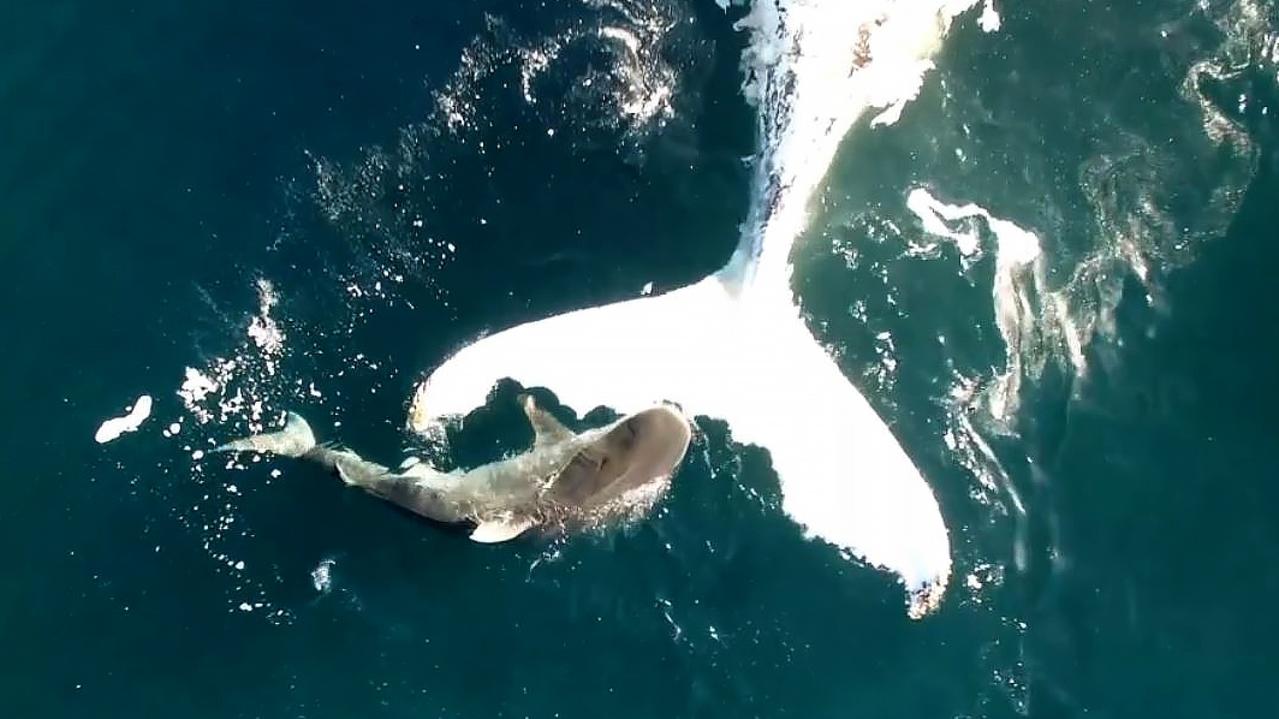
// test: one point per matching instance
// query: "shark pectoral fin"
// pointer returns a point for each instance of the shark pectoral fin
(546, 429)
(500, 530)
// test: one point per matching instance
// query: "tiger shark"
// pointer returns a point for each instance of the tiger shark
(566, 480)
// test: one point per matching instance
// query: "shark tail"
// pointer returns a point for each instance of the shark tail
(293, 440)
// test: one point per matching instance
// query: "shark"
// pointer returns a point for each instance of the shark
(566, 480)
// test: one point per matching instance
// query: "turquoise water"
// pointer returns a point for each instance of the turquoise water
(1113, 549)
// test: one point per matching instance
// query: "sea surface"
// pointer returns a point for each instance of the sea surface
(313, 204)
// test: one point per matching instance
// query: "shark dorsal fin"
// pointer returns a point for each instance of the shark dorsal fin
(546, 429)
(493, 531)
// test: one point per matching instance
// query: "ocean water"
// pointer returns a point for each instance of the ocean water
(313, 206)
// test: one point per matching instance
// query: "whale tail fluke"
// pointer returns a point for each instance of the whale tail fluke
(293, 440)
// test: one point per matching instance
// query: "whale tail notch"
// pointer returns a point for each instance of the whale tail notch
(295, 439)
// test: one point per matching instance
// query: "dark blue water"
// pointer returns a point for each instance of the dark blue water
(158, 161)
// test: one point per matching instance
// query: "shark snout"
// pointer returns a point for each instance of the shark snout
(660, 439)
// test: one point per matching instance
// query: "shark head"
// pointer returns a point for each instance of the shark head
(639, 449)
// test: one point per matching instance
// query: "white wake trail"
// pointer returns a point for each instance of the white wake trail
(735, 346)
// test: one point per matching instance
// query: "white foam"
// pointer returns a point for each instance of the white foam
(623, 36)
(264, 330)
(932, 213)
(1018, 276)
(735, 345)
(195, 388)
(989, 20)
(322, 576)
(116, 426)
